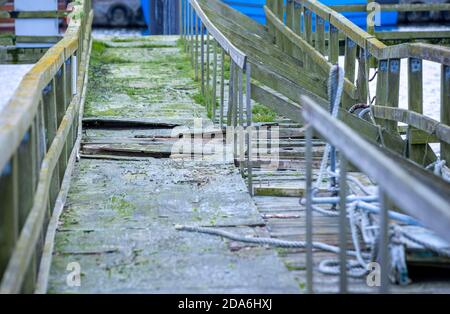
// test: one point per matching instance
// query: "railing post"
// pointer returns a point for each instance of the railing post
(270, 27)
(383, 243)
(214, 82)
(230, 94)
(416, 152)
(382, 87)
(393, 86)
(241, 120)
(333, 44)
(349, 68)
(51, 127)
(9, 211)
(362, 79)
(28, 173)
(249, 128)
(296, 52)
(202, 58)
(320, 35)
(309, 212)
(445, 108)
(222, 88)
(61, 110)
(343, 225)
(289, 19)
(208, 77)
(196, 44)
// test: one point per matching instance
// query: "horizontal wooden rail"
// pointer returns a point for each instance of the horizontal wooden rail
(33, 14)
(414, 119)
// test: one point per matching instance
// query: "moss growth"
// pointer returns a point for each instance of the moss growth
(263, 114)
(293, 267)
(199, 99)
(99, 55)
(123, 208)
(205, 101)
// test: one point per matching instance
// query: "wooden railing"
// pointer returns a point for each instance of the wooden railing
(39, 140)
(319, 47)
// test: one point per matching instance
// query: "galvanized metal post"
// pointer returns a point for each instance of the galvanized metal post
(214, 82)
(202, 60)
(222, 88)
(249, 132)
(445, 108)
(196, 44)
(309, 212)
(343, 225)
(384, 242)
(230, 94)
(241, 120)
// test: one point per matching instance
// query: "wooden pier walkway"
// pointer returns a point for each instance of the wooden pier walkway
(96, 180)
(120, 215)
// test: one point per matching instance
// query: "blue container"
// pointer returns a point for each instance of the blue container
(145, 4)
(252, 8)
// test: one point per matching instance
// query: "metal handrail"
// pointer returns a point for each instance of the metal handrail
(411, 195)
(192, 16)
(396, 185)
(237, 55)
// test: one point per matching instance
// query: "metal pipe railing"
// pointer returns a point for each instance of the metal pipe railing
(397, 187)
(195, 23)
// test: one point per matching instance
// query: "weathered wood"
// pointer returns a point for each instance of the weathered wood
(32, 14)
(9, 211)
(361, 81)
(309, 50)
(445, 108)
(287, 108)
(320, 35)
(393, 86)
(412, 35)
(423, 129)
(349, 68)
(333, 45)
(41, 75)
(415, 103)
(382, 85)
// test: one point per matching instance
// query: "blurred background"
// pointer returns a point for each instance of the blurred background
(116, 17)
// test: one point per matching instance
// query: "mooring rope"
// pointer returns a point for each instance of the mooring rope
(335, 89)
(263, 241)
